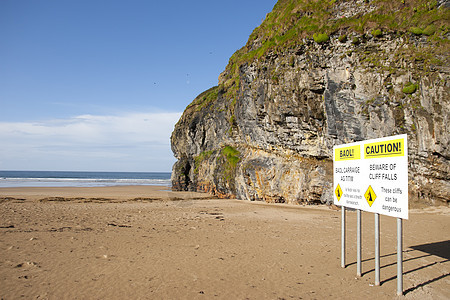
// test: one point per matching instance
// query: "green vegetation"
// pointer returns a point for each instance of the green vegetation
(293, 20)
(356, 41)
(231, 155)
(200, 158)
(232, 121)
(342, 38)
(376, 33)
(410, 88)
(291, 61)
(205, 98)
(321, 37)
(230, 158)
(429, 30)
(416, 30)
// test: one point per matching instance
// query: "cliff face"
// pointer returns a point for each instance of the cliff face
(266, 132)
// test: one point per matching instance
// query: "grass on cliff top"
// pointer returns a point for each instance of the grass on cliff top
(204, 99)
(293, 20)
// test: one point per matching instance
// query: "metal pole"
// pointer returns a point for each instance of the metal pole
(377, 249)
(343, 238)
(358, 244)
(399, 257)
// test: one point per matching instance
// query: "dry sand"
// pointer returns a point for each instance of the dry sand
(146, 242)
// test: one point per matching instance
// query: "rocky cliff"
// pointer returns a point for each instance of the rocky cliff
(317, 74)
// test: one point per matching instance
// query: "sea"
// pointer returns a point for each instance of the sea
(81, 179)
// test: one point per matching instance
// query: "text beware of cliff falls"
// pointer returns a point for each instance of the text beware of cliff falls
(372, 175)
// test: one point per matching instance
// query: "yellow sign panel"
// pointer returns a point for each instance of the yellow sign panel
(347, 153)
(338, 192)
(390, 148)
(370, 196)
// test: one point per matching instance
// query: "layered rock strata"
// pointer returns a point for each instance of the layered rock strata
(266, 132)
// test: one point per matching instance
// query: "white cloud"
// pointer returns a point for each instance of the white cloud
(127, 142)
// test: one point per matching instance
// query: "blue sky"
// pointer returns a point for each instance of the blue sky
(98, 85)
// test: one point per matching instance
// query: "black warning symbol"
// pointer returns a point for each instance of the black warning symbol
(338, 192)
(370, 195)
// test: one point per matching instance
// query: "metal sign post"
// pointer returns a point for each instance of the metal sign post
(377, 249)
(399, 257)
(358, 244)
(343, 238)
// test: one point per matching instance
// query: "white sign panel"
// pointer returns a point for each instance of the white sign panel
(372, 175)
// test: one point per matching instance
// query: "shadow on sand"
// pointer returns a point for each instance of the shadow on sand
(439, 249)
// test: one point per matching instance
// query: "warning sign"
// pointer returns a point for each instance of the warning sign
(370, 196)
(372, 175)
(338, 192)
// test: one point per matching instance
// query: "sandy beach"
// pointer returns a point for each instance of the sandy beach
(146, 242)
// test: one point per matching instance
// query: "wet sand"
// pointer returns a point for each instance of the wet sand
(145, 242)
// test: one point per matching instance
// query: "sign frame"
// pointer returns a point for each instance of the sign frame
(378, 168)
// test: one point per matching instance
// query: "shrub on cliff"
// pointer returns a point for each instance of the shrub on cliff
(376, 33)
(231, 155)
(342, 38)
(410, 88)
(429, 30)
(320, 37)
(416, 30)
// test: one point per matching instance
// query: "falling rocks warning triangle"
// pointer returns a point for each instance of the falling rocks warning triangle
(338, 192)
(370, 196)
